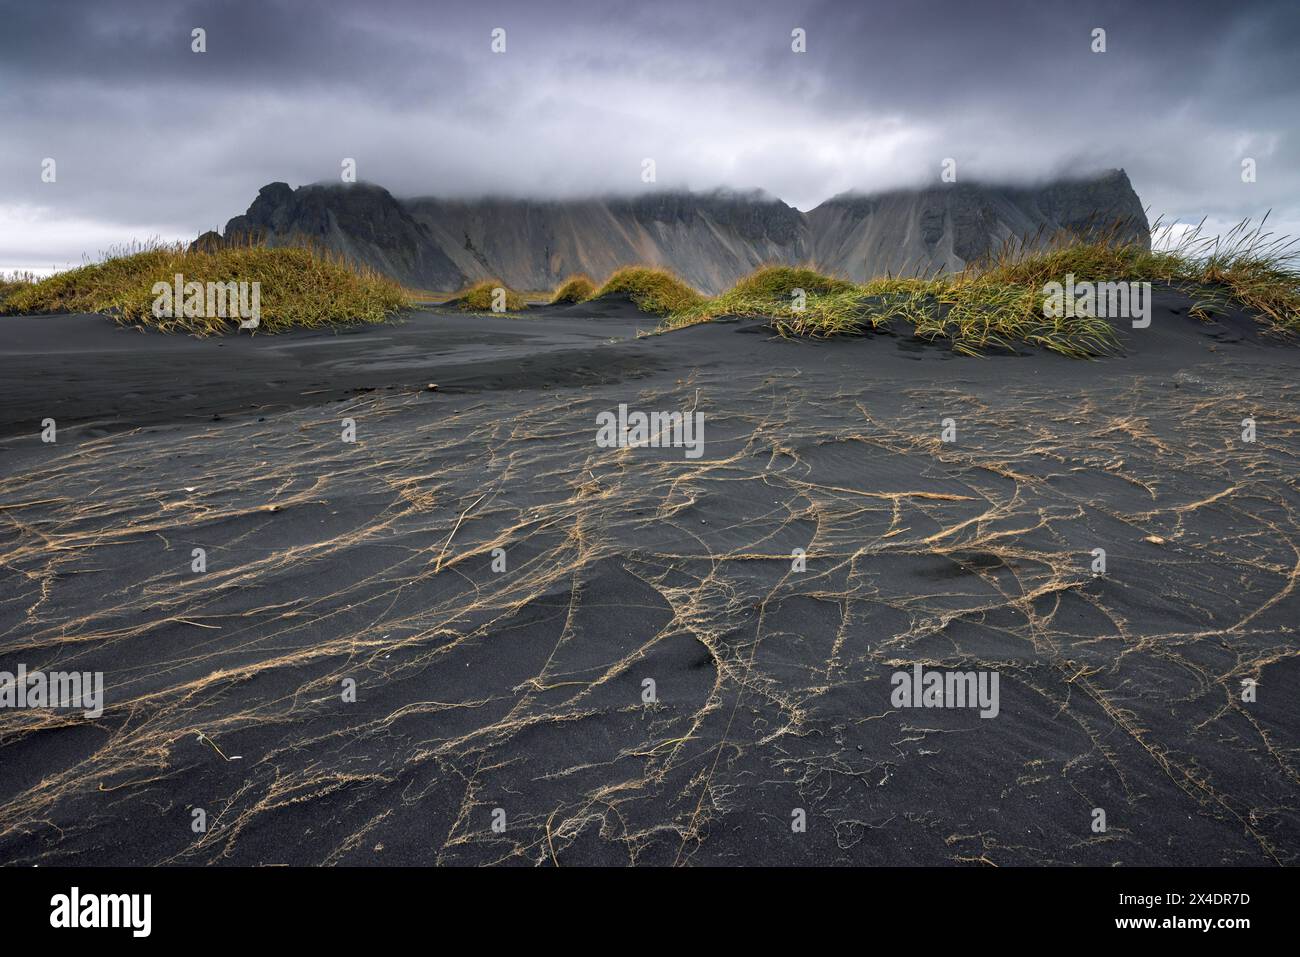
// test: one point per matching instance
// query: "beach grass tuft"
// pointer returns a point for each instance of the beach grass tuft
(12, 282)
(481, 297)
(577, 288)
(650, 289)
(769, 291)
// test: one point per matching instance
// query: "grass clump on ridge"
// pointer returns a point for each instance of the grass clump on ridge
(12, 283)
(781, 282)
(768, 291)
(1245, 267)
(577, 288)
(481, 297)
(999, 303)
(651, 289)
(299, 287)
(973, 313)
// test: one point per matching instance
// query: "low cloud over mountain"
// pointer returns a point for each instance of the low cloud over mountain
(153, 138)
(710, 239)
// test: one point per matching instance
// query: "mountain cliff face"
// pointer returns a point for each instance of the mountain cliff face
(361, 221)
(942, 228)
(709, 239)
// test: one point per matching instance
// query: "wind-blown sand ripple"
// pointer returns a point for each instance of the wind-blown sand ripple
(522, 690)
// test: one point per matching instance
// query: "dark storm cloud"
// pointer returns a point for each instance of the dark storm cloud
(152, 138)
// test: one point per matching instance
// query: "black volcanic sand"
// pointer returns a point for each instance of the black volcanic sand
(522, 690)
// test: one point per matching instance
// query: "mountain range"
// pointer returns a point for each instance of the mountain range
(709, 239)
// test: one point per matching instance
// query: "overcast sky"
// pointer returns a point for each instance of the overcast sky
(152, 139)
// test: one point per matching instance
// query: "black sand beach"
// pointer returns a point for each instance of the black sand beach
(522, 690)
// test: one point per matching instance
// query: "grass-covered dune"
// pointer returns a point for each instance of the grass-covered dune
(482, 296)
(297, 287)
(576, 288)
(651, 289)
(13, 282)
(657, 290)
(973, 313)
(1000, 303)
